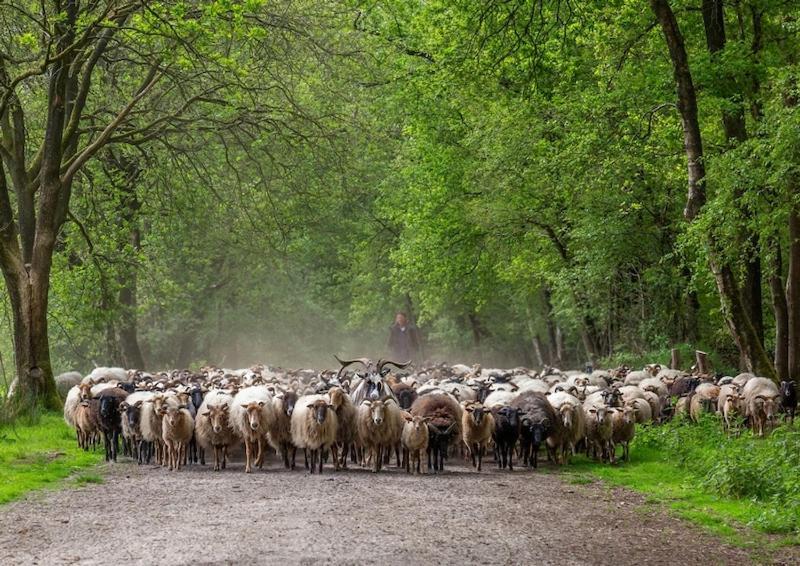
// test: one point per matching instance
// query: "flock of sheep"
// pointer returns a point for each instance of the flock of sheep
(371, 413)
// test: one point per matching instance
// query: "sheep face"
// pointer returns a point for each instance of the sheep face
(629, 415)
(108, 407)
(319, 410)
(476, 412)
(599, 414)
(417, 423)
(217, 416)
(377, 411)
(567, 415)
(767, 407)
(253, 414)
(172, 414)
(510, 414)
(439, 437)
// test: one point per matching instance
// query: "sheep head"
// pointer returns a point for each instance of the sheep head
(253, 410)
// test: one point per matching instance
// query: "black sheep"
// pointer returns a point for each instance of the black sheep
(538, 421)
(506, 434)
(788, 400)
(110, 420)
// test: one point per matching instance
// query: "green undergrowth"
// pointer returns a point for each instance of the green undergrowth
(41, 453)
(740, 487)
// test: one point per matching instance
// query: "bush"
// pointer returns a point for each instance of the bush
(765, 470)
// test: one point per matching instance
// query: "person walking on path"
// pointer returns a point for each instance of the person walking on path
(404, 344)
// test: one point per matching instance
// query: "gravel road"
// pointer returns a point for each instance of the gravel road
(147, 515)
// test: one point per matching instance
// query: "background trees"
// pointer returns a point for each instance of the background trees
(242, 181)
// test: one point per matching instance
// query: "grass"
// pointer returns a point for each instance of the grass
(33, 456)
(740, 488)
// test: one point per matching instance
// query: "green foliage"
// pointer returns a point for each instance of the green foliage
(39, 453)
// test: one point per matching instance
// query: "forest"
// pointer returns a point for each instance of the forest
(534, 181)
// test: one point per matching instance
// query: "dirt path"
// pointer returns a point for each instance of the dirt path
(150, 516)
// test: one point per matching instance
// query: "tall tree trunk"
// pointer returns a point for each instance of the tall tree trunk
(733, 308)
(793, 294)
(553, 349)
(781, 312)
(734, 126)
(477, 335)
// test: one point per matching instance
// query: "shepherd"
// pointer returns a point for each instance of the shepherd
(404, 343)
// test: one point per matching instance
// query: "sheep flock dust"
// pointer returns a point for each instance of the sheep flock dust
(147, 515)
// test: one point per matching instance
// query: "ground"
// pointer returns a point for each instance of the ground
(147, 515)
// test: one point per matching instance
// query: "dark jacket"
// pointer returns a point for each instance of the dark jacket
(403, 342)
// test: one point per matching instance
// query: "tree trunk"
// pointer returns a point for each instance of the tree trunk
(692, 303)
(734, 311)
(781, 312)
(675, 359)
(536, 342)
(554, 351)
(702, 366)
(477, 333)
(793, 295)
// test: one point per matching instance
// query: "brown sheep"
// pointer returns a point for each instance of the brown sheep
(379, 429)
(444, 426)
(415, 443)
(347, 430)
(177, 428)
(477, 426)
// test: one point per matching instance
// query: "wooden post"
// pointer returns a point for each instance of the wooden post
(675, 359)
(702, 363)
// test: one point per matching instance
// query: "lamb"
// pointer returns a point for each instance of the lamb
(506, 433)
(415, 442)
(85, 424)
(761, 402)
(177, 428)
(623, 424)
(379, 429)
(477, 426)
(212, 427)
(314, 426)
(280, 433)
(251, 415)
(443, 427)
(346, 417)
(729, 404)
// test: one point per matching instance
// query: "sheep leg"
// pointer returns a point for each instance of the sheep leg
(305, 456)
(285, 454)
(247, 455)
(345, 451)
(294, 453)
(480, 456)
(224, 455)
(260, 457)
(312, 458)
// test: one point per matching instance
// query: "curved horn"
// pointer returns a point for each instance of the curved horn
(382, 363)
(344, 363)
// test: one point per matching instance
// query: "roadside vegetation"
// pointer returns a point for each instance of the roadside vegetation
(39, 453)
(740, 487)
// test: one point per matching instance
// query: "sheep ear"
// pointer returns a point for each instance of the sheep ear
(408, 418)
(309, 405)
(261, 403)
(244, 405)
(206, 413)
(331, 407)
(367, 402)
(427, 419)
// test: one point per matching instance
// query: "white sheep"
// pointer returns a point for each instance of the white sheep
(477, 426)
(176, 431)
(379, 426)
(314, 426)
(251, 416)
(212, 426)
(415, 443)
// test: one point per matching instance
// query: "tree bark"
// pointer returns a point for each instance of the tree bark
(734, 311)
(793, 294)
(554, 351)
(675, 359)
(781, 313)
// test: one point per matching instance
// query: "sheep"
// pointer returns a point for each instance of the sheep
(635, 377)
(655, 385)
(477, 426)
(131, 411)
(406, 394)
(729, 404)
(110, 422)
(314, 426)
(505, 435)
(788, 400)
(443, 427)
(761, 402)
(704, 400)
(347, 429)
(66, 381)
(655, 404)
(379, 428)
(538, 421)
(499, 398)
(623, 427)
(599, 429)
(85, 424)
(150, 425)
(212, 426)
(280, 433)
(415, 442)
(569, 409)
(251, 415)
(742, 379)
(177, 428)
(643, 412)
(74, 396)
